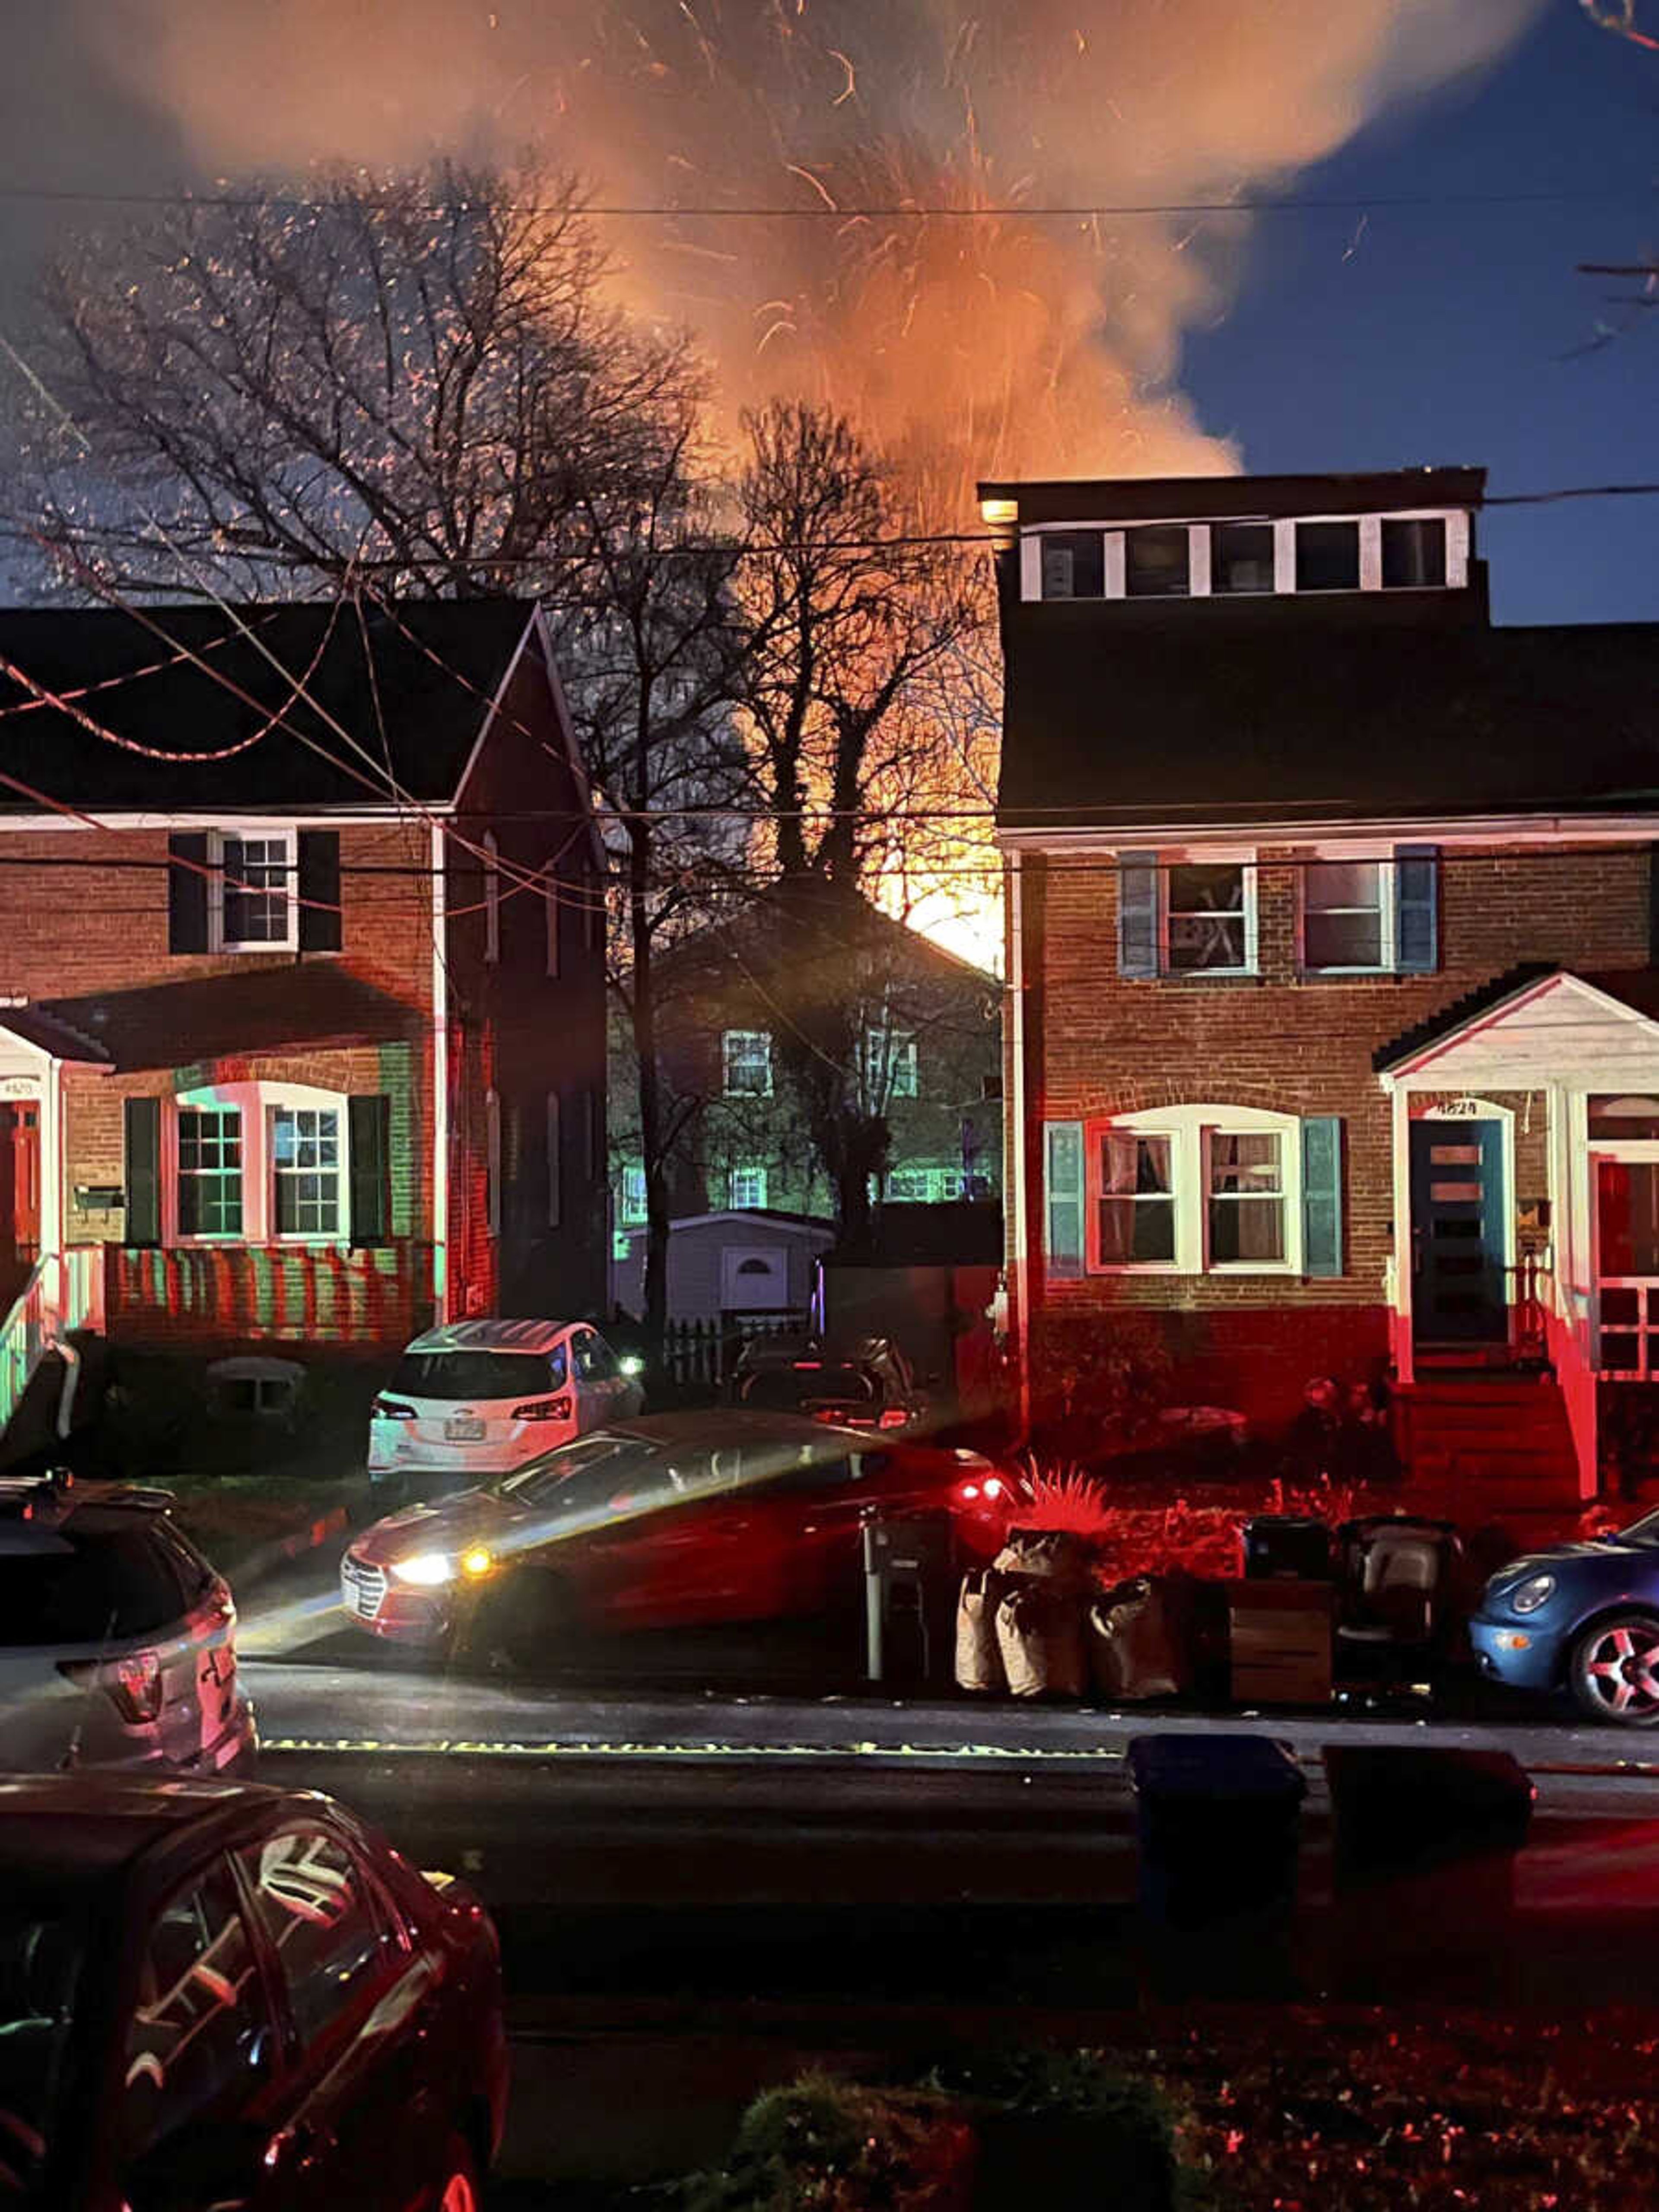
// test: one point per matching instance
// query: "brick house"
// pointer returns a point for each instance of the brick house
(1333, 1044)
(301, 994)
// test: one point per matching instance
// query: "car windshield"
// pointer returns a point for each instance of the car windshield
(455, 1374)
(620, 1475)
(40, 1961)
(781, 1390)
(90, 1585)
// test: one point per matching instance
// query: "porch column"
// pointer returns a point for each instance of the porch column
(51, 1159)
(1400, 1324)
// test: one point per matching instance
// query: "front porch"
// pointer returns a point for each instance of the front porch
(1525, 1280)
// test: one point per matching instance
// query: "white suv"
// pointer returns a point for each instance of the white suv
(479, 1398)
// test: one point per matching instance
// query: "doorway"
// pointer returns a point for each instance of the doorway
(1459, 1288)
(20, 1181)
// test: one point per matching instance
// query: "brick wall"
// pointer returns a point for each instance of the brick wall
(1098, 1044)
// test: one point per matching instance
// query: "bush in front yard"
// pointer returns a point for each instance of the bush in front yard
(1060, 2129)
(821, 2145)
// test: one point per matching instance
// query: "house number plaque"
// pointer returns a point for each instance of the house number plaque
(1459, 1109)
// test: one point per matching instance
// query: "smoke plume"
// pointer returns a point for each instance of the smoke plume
(1019, 342)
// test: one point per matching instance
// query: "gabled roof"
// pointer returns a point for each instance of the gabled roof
(423, 672)
(1622, 1004)
(1224, 711)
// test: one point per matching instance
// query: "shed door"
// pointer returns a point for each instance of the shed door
(1459, 1293)
(754, 1278)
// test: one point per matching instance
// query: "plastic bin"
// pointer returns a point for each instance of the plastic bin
(909, 1578)
(1217, 1822)
(1289, 1547)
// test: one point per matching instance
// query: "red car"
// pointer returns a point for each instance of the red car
(215, 1995)
(669, 1520)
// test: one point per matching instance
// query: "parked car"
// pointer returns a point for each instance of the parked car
(117, 1639)
(867, 1385)
(672, 1519)
(478, 1398)
(1582, 1617)
(215, 1995)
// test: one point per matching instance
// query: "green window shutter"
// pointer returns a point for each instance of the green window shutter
(143, 1170)
(1137, 913)
(1416, 908)
(1063, 1209)
(318, 882)
(370, 1129)
(1322, 1196)
(187, 892)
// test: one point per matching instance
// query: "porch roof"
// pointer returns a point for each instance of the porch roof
(1537, 1025)
(294, 1008)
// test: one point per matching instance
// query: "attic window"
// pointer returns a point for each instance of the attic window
(1327, 556)
(1155, 564)
(1073, 565)
(1414, 553)
(1241, 557)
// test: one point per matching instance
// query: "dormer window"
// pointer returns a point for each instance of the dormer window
(1073, 565)
(1327, 556)
(1413, 552)
(1155, 561)
(1241, 557)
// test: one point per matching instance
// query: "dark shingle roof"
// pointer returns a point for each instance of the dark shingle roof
(259, 1008)
(432, 701)
(1216, 713)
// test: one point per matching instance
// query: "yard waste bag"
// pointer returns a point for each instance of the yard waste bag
(1055, 1554)
(1040, 1634)
(1135, 1642)
(978, 1654)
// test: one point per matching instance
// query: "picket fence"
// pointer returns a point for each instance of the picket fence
(701, 1355)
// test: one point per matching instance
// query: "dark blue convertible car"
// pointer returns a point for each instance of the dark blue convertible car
(1582, 1617)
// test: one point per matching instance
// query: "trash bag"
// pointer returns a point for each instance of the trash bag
(1040, 1635)
(1054, 1554)
(979, 1654)
(1135, 1642)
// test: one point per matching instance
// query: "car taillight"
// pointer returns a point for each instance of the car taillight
(543, 1409)
(393, 1409)
(893, 1418)
(133, 1684)
(992, 1488)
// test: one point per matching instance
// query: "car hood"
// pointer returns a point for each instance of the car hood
(1569, 1556)
(469, 1517)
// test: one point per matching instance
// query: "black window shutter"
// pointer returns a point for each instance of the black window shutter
(370, 1131)
(1416, 909)
(187, 892)
(143, 1170)
(318, 884)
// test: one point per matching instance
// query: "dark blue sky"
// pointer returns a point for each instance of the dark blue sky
(1443, 336)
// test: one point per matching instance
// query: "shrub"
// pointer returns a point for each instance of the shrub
(821, 2145)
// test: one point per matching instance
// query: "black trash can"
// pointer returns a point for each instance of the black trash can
(1399, 1809)
(1287, 1547)
(909, 1590)
(1217, 1820)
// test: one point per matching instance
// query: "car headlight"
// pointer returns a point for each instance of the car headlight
(426, 1569)
(631, 1364)
(1527, 1596)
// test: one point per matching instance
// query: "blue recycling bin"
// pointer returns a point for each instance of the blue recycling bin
(1218, 1824)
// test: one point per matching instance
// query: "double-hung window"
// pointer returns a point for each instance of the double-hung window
(890, 1066)
(1181, 916)
(1244, 1223)
(747, 1055)
(304, 1162)
(1378, 915)
(1136, 1202)
(747, 1187)
(253, 889)
(210, 1171)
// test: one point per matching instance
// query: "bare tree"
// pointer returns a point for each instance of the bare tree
(413, 380)
(849, 614)
(654, 649)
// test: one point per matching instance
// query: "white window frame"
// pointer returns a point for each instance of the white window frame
(1245, 861)
(728, 1059)
(492, 898)
(258, 1103)
(749, 1172)
(177, 1178)
(287, 836)
(631, 1193)
(888, 1053)
(1382, 858)
(1189, 1129)
(1284, 527)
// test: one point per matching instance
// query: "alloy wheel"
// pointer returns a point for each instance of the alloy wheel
(459, 2195)
(1620, 1669)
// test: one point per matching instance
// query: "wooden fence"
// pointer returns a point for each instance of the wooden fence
(699, 1355)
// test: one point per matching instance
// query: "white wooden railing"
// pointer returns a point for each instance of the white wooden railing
(64, 1291)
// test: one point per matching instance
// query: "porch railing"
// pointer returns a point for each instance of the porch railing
(64, 1291)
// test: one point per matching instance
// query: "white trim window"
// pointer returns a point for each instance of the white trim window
(631, 1196)
(492, 898)
(307, 1167)
(1347, 916)
(746, 1061)
(1195, 1190)
(891, 1069)
(745, 1186)
(252, 907)
(208, 1163)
